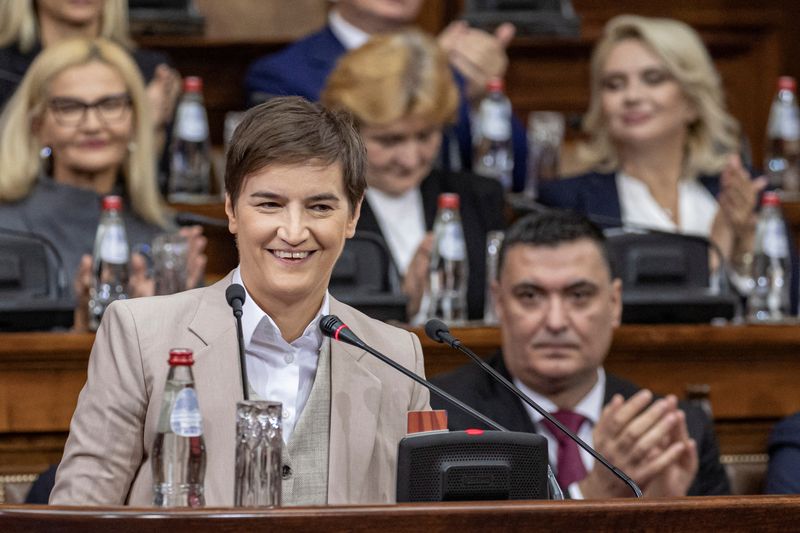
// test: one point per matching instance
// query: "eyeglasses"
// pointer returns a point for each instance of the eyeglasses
(71, 112)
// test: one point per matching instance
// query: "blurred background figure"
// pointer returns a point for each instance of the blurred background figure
(475, 55)
(783, 475)
(28, 26)
(79, 128)
(663, 148)
(402, 93)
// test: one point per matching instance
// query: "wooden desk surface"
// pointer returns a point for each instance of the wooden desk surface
(730, 513)
(752, 373)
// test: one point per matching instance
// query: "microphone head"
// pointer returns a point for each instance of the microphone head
(233, 293)
(434, 328)
(328, 324)
(333, 327)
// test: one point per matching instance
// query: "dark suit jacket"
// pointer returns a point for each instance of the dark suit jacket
(783, 475)
(477, 389)
(303, 67)
(595, 195)
(481, 211)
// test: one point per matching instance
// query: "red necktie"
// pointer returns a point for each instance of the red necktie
(570, 465)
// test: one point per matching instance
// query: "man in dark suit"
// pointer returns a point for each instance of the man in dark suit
(558, 306)
(476, 56)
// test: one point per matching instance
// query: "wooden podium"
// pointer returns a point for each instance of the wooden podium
(754, 513)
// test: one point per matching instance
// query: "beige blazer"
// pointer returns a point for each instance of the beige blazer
(107, 455)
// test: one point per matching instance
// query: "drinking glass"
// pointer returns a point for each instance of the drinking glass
(170, 254)
(258, 454)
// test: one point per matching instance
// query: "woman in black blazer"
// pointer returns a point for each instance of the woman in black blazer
(402, 93)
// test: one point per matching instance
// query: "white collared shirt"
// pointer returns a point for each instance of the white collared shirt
(402, 222)
(350, 36)
(696, 206)
(278, 370)
(590, 406)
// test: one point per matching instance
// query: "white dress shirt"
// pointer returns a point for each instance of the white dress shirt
(278, 370)
(402, 222)
(350, 36)
(696, 206)
(590, 406)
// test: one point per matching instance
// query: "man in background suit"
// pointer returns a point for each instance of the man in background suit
(558, 306)
(294, 185)
(475, 55)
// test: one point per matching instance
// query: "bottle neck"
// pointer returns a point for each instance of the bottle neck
(786, 96)
(181, 374)
(448, 214)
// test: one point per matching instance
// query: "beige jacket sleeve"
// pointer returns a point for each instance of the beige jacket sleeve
(105, 445)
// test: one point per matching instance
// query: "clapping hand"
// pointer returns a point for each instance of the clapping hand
(649, 442)
(476, 54)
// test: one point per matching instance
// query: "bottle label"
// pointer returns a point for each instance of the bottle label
(114, 248)
(185, 419)
(775, 243)
(451, 243)
(784, 122)
(191, 124)
(495, 120)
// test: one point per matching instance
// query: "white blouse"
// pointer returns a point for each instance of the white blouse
(402, 222)
(697, 207)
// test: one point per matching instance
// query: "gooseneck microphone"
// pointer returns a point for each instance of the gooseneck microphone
(439, 332)
(332, 326)
(235, 296)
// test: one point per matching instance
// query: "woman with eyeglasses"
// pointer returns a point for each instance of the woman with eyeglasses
(79, 128)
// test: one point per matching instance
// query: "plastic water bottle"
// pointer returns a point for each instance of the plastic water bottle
(190, 151)
(448, 271)
(110, 261)
(769, 299)
(179, 451)
(493, 155)
(782, 154)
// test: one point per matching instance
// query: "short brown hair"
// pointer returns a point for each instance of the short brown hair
(290, 130)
